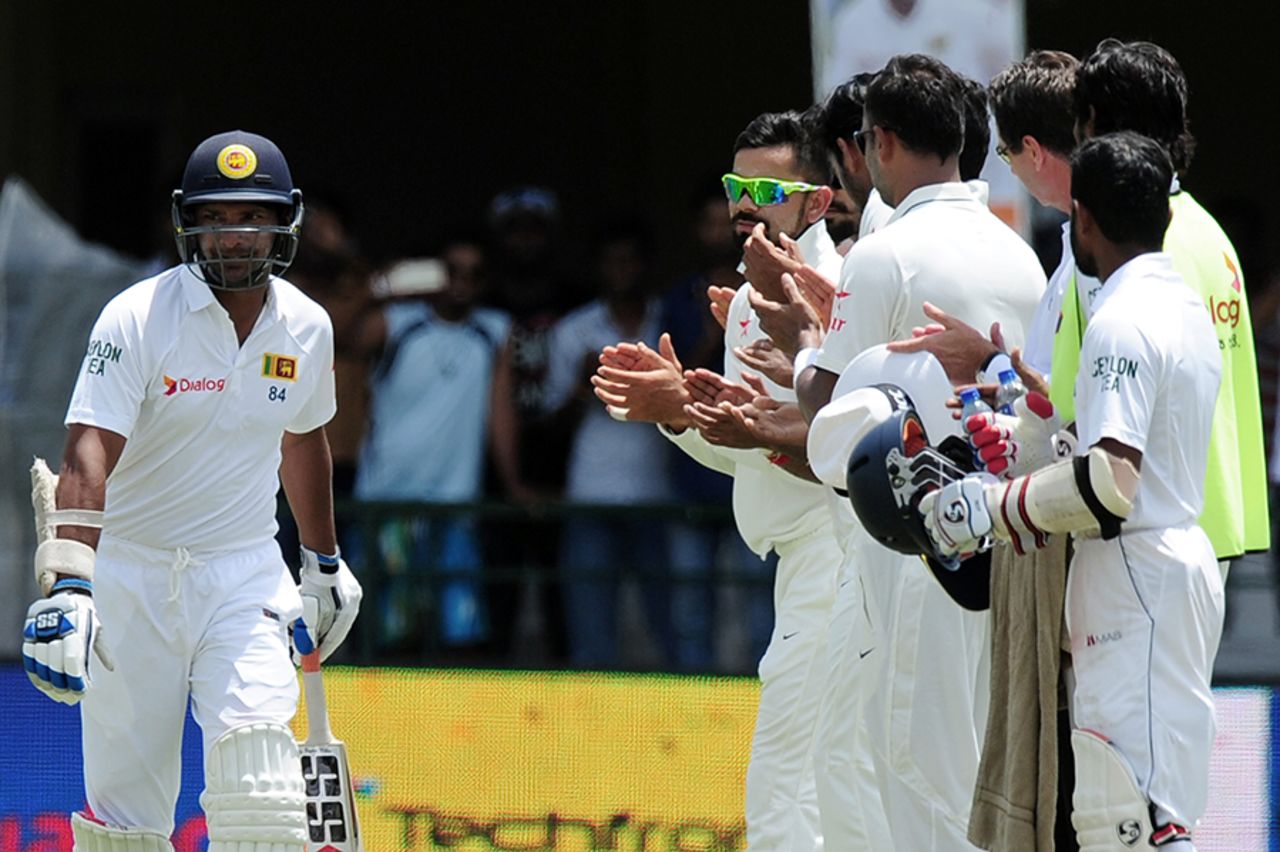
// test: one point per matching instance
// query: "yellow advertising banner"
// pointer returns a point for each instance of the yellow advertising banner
(533, 761)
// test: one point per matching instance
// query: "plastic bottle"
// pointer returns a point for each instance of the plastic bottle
(1010, 389)
(971, 404)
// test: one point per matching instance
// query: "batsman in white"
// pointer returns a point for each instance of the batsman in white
(1144, 600)
(163, 580)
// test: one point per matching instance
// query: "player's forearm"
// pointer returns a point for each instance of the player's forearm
(813, 390)
(90, 456)
(799, 468)
(306, 472)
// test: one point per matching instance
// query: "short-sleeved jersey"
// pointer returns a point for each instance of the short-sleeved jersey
(942, 245)
(1235, 513)
(1149, 375)
(429, 405)
(204, 415)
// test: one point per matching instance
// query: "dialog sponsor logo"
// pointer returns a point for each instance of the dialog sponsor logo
(1225, 312)
(174, 386)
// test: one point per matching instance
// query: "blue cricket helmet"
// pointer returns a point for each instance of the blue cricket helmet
(236, 167)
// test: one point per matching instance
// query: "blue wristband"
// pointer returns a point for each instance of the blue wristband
(72, 584)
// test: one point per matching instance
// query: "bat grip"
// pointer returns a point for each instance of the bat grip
(318, 730)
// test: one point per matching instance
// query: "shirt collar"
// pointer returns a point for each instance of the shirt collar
(951, 191)
(196, 292)
(1152, 264)
(199, 295)
(815, 243)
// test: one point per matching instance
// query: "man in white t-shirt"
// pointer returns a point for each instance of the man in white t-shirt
(775, 191)
(203, 389)
(1144, 595)
(942, 245)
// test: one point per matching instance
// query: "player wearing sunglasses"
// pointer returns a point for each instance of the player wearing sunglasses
(775, 190)
(771, 184)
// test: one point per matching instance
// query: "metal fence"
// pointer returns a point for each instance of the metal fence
(664, 586)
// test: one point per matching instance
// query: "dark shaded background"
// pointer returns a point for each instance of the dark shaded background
(411, 116)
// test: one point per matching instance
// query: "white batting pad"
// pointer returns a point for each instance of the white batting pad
(253, 798)
(93, 836)
(1109, 812)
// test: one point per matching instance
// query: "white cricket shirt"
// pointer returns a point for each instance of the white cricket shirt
(875, 214)
(770, 505)
(942, 245)
(203, 415)
(1149, 373)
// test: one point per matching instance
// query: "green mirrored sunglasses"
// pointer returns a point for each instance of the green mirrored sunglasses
(764, 191)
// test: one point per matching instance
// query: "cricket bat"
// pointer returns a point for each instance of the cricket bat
(332, 822)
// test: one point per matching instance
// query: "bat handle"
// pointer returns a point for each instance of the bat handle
(318, 730)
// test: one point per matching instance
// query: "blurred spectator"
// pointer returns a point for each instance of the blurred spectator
(529, 448)
(697, 548)
(328, 268)
(429, 418)
(610, 462)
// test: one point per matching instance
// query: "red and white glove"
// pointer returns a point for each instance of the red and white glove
(1010, 446)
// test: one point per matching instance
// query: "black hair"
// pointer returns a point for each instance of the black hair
(1136, 86)
(977, 129)
(793, 130)
(840, 115)
(920, 99)
(1122, 179)
(1033, 97)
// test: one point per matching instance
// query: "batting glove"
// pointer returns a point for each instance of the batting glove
(330, 602)
(1010, 446)
(957, 516)
(60, 637)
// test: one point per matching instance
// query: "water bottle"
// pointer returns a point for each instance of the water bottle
(1010, 389)
(971, 403)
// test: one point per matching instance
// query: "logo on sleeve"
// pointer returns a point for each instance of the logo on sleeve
(99, 355)
(1110, 370)
(279, 367)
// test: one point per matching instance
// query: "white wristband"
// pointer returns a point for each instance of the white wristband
(804, 359)
(63, 556)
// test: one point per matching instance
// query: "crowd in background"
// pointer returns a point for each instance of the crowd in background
(463, 377)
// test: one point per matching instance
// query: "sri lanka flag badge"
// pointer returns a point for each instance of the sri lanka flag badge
(280, 367)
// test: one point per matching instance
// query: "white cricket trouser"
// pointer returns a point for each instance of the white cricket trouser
(1144, 614)
(781, 799)
(849, 804)
(209, 626)
(926, 705)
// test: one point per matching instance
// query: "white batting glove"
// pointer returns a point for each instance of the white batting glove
(1010, 446)
(330, 602)
(957, 516)
(59, 638)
